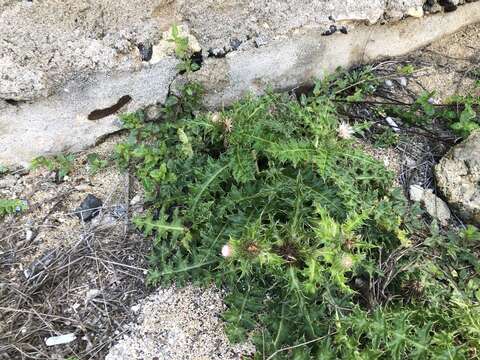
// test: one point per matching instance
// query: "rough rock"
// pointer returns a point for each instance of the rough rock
(44, 44)
(458, 177)
(60, 122)
(435, 207)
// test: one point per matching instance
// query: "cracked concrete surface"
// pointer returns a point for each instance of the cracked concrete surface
(61, 60)
(285, 64)
(60, 122)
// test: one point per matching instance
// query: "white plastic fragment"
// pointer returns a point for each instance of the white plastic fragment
(136, 200)
(61, 339)
(91, 294)
(28, 234)
(392, 124)
(135, 308)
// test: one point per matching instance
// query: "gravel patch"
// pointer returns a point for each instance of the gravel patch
(179, 323)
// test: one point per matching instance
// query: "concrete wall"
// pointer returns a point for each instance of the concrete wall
(62, 60)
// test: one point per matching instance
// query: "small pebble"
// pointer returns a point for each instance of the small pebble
(235, 43)
(82, 187)
(389, 83)
(28, 235)
(402, 81)
(153, 112)
(331, 30)
(89, 208)
(119, 211)
(135, 200)
(261, 41)
(146, 51)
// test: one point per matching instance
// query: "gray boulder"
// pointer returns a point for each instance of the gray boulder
(458, 178)
(435, 207)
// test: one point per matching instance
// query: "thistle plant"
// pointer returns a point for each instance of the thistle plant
(316, 248)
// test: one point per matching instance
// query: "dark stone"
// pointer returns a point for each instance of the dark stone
(448, 5)
(332, 30)
(344, 30)
(89, 208)
(146, 51)
(119, 211)
(40, 263)
(217, 53)
(235, 44)
(197, 58)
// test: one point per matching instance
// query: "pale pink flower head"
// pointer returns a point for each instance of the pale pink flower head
(227, 251)
(345, 131)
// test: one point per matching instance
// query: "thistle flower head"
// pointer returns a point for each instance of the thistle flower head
(227, 251)
(345, 131)
(228, 124)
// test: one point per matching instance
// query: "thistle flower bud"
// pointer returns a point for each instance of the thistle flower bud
(216, 117)
(347, 262)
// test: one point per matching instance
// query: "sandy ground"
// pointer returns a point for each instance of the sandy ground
(59, 275)
(179, 324)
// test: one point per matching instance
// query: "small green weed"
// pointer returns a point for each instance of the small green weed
(182, 51)
(352, 85)
(385, 139)
(408, 69)
(61, 164)
(458, 113)
(95, 163)
(11, 206)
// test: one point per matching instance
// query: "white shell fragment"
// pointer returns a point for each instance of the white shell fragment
(61, 339)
